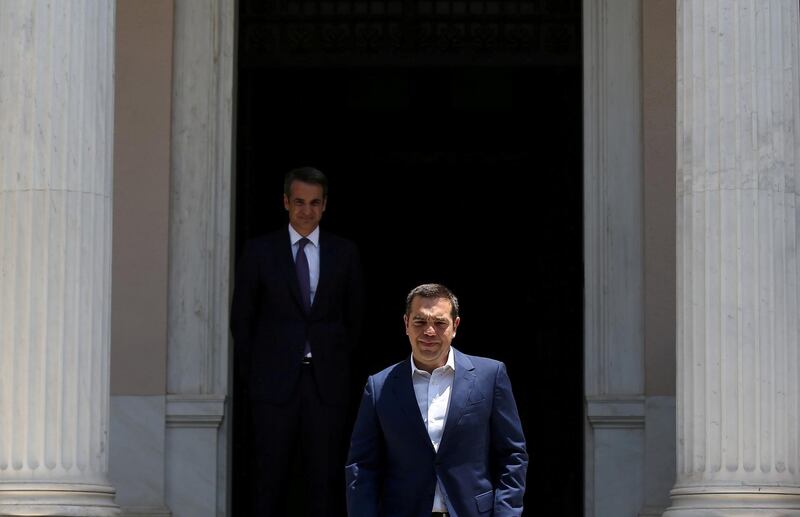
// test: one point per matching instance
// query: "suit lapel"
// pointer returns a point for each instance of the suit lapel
(288, 264)
(403, 388)
(463, 384)
(326, 261)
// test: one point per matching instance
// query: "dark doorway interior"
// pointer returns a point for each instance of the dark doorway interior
(503, 229)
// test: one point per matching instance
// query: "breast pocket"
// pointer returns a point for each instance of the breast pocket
(474, 413)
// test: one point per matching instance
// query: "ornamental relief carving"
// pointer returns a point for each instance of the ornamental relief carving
(276, 31)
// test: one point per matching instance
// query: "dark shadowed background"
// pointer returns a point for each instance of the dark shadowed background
(336, 85)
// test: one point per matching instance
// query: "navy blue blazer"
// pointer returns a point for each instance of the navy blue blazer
(270, 324)
(482, 460)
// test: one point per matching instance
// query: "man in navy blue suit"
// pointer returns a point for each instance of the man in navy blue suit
(295, 318)
(437, 434)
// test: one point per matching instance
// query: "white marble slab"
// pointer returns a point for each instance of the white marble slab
(192, 471)
(659, 454)
(137, 453)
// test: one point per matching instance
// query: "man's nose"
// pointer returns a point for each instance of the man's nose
(430, 331)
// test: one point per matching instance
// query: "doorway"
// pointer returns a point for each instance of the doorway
(501, 228)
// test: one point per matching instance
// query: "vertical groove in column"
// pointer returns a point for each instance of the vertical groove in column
(107, 188)
(94, 273)
(728, 256)
(734, 140)
(26, 225)
(55, 298)
(39, 141)
(72, 130)
(752, 245)
(5, 216)
(787, 193)
(683, 385)
(43, 241)
(700, 185)
(765, 244)
(54, 150)
(790, 302)
(776, 279)
(69, 397)
(778, 188)
(6, 202)
(11, 159)
(715, 225)
(741, 59)
(86, 223)
(55, 273)
(694, 395)
(794, 146)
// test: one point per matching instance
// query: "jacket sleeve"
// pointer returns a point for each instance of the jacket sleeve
(365, 462)
(509, 457)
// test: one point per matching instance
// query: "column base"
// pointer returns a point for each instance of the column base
(743, 501)
(57, 500)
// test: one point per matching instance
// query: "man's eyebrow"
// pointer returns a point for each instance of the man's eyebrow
(428, 318)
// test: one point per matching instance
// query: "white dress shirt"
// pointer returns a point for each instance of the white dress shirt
(312, 254)
(433, 398)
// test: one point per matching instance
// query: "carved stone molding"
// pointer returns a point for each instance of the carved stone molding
(311, 31)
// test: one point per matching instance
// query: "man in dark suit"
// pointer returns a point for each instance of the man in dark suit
(439, 433)
(295, 318)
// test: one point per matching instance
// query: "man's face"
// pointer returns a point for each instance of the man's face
(305, 205)
(430, 329)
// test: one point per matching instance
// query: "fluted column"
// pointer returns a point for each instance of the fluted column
(56, 135)
(737, 351)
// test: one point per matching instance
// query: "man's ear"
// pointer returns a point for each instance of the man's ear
(285, 202)
(405, 322)
(455, 325)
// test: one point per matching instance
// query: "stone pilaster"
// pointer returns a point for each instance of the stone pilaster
(197, 439)
(613, 260)
(56, 122)
(737, 335)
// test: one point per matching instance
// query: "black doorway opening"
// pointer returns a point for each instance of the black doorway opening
(502, 228)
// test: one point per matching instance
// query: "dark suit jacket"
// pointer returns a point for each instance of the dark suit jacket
(482, 460)
(270, 325)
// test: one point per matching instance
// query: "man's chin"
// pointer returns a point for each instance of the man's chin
(429, 354)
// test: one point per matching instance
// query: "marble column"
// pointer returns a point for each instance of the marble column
(56, 127)
(737, 279)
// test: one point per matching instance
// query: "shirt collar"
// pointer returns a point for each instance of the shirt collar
(313, 236)
(451, 363)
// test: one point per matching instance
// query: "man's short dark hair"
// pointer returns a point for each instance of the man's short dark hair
(306, 175)
(433, 291)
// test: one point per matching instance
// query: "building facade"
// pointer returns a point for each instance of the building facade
(115, 359)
